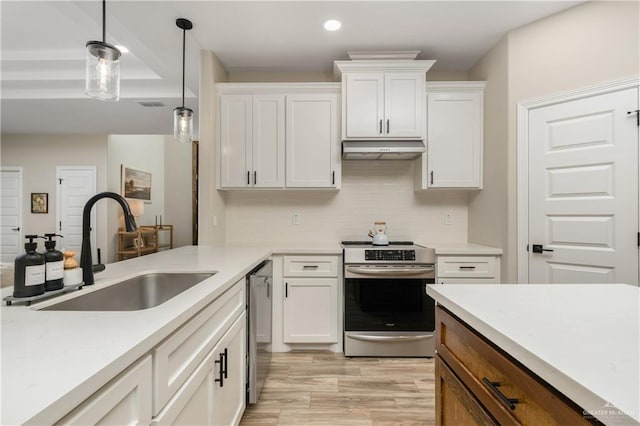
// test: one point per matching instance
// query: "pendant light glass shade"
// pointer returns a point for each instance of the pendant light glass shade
(102, 71)
(183, 117)
(183, 124)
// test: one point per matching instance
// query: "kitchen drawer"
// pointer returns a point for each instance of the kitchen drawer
(476, 362)
(467, 267)
(178, 356)
(467, 281)
(124, 400)
(310, 266)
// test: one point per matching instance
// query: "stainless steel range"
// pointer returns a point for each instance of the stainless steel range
(386, 309)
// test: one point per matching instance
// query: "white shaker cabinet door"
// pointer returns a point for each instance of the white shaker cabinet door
(403, 105)
(230, 373)
(268, 141)
(454, 140)
(364, 105)
(236, 128)
(310, 313)
(312, 141)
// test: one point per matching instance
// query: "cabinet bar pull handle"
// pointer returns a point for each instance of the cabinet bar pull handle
(220, 378)
(248, 177)
(309, 266)
(493, 387)
(387, 126)
(333, 178)
(380, 126)
(255, 178)
(467, 267)
(226, 357)
(286, 290)
(431, 177)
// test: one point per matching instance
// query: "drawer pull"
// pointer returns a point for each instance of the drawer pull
(467, 267)
(493, 386)
(309, 266)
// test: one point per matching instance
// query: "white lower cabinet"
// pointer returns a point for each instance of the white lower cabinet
(215, 393)
(310, 311)
(124, 400)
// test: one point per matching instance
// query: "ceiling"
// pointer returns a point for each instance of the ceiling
(42, 57)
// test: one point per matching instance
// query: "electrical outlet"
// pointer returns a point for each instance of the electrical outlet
(448, 218)
(295, 219)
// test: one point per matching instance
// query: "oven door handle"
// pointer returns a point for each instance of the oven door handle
(388, 271)
(401, 338)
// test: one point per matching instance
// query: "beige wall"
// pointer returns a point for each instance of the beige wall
(488, 209)
(211, 203)
(591, 43)
(39, 155)
(371, 191)
(178, 191)
(141, 152)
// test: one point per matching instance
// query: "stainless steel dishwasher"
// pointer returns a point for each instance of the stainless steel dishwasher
(259, 291)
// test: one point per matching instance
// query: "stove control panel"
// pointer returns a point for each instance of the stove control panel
(390, 255)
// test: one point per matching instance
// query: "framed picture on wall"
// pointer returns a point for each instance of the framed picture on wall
(136, 184)
(39, 202)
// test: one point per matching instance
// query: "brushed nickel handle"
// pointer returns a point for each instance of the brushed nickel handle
(374, 338)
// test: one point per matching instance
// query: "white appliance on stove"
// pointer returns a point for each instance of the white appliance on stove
(386, 308)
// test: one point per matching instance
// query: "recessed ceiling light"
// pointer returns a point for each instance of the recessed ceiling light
(332, 25)
(122, 49)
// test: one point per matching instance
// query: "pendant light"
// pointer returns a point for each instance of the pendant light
(183, 117)
(103, 67)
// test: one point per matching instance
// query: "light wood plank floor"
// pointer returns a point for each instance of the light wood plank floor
(323, 388)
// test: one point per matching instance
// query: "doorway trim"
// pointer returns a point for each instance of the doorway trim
(20, 171)
(522, 141)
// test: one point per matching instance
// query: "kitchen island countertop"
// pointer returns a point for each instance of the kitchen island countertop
(54, 360)
(582, 339)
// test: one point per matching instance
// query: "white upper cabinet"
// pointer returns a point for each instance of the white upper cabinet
(313, 145)
(454, 136)
(251, 141)
(383, 99)
(278, 135)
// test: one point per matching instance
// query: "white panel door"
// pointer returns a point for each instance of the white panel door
(583, 190)
(235, 141)
(310, 311)
(403, 104)
(268, 141)
(75, 186)
(312, 141)
(11, 244)
(454, 140)
(364, 105)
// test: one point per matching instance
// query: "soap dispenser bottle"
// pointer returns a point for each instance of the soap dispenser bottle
(29, 271)
(54, 264)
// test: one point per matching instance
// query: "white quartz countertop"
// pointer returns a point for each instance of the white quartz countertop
(462, 249)
(53, 360)
(583, 339)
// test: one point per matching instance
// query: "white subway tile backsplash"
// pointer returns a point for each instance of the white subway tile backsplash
(370, 191)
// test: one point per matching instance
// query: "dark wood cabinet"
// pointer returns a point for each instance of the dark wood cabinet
(478, 383)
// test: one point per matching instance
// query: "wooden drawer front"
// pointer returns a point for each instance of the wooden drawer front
(179, 355)
(467, 281)
(473, 359)
(124, 400)
(455, 404)
(310, 266)
(466, 267)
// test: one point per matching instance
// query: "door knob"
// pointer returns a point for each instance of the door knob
(15, 229)
(539, 248)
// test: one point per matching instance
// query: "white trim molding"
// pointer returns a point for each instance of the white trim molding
(455, 86)
(276, 88)
(523, 109)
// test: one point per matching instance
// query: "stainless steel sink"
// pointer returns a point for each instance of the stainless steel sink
(137, 293)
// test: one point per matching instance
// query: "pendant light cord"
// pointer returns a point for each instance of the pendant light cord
(184, 37)
(104, 21)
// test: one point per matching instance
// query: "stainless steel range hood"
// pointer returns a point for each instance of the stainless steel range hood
(382, 150)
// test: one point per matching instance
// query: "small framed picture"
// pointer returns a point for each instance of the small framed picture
(39, 202)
